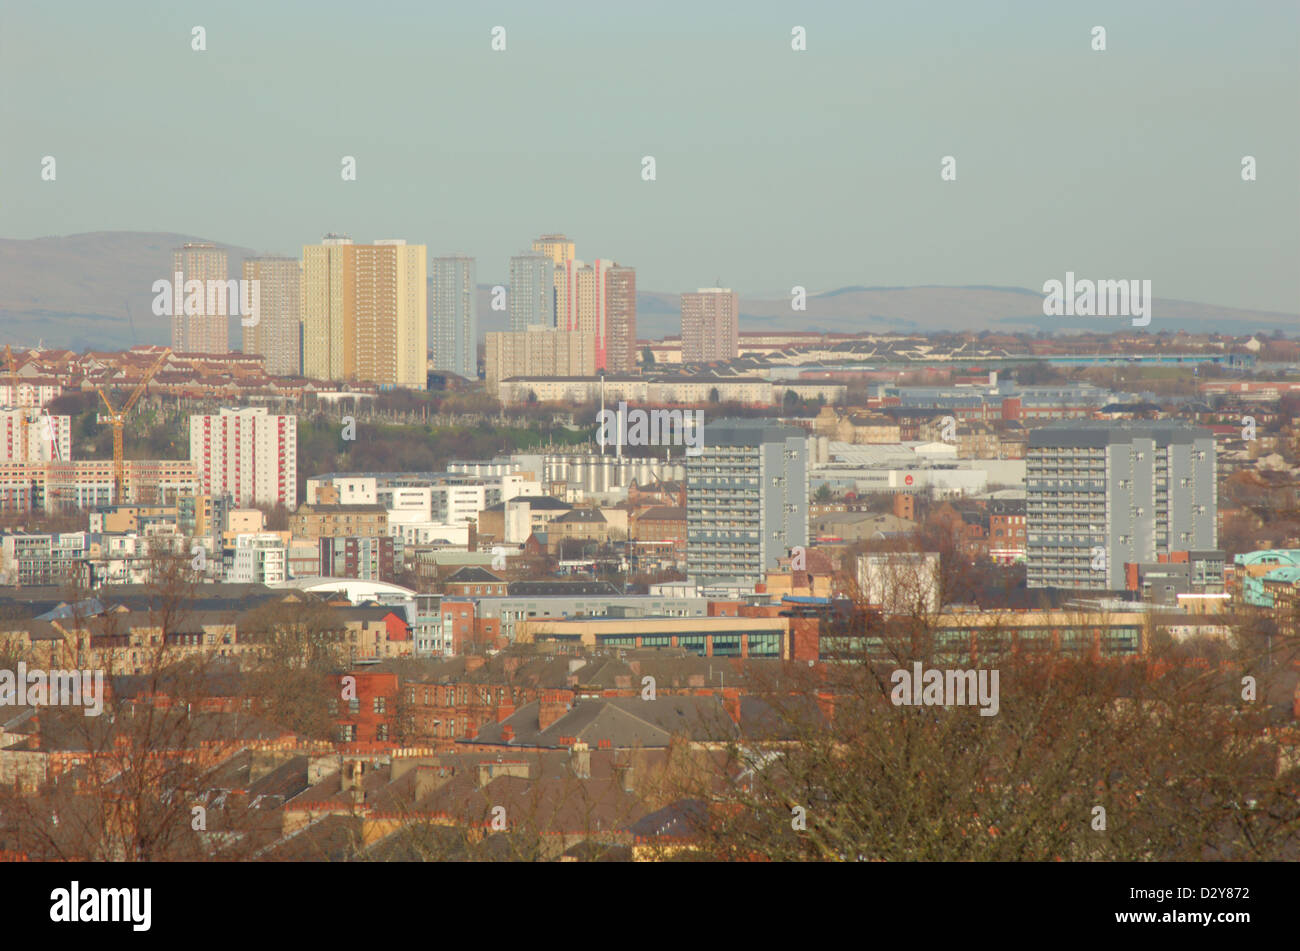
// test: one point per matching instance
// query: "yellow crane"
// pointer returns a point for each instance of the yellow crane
(13, 399)
(117, 419)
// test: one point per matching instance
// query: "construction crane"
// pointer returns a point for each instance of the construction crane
(13, 399)
(117, 419)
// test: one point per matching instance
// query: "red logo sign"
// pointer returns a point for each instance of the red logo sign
(907, 480)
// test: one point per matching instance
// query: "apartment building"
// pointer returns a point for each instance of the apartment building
(206, 331)
(87, 484)
(560, 250)
(365, 707)
(972, 439)
(368, 558)
(260, 558)
(453, 315)
(532, 292)
(620, 319)
(50, 558)
(248, 454)
(364, 312)
(276, 334)
(1007, 530)
(339, 521)
(710, 328)
(599, 299)
(514, 520)
(537, 352)
(746, 499)
(28, 436)
(1101, 495)
(440, 713)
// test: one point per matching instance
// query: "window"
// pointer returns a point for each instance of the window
(381, 704)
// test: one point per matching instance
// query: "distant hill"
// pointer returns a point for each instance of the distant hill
(930, 308)
(74, 290)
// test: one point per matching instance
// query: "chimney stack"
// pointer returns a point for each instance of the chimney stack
(580, 755)
(553, 705)
(826, 702)
(731, 703)
(428, 779)
(351, 781)
(623, 774)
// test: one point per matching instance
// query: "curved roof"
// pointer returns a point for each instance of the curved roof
(356, 589)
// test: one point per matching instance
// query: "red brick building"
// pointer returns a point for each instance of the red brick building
(657, 493)
(462, 625)
(364, 705)
(661, 523)
(1007, 531)
(439, 714)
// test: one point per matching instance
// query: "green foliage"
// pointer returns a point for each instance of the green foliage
(396, 448)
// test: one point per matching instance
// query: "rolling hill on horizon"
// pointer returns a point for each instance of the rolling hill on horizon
(94, 291)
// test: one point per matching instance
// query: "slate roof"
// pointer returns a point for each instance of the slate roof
(473, 574)
(685, 817)
(663, 513)
(538, 503)
(538, 589)
(624, 722)
(590, 515)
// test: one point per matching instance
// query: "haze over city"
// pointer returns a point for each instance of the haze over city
(604, 433)
(819, 169)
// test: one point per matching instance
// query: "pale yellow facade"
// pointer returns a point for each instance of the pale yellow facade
(560, 250)
(544, 353)
(365, 312)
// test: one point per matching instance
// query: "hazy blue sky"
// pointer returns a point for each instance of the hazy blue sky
(775, 167)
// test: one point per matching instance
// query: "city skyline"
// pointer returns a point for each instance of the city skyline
(792, 432)
(867, 81)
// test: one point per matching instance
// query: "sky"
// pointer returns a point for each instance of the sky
(774, 167)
